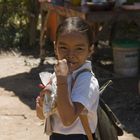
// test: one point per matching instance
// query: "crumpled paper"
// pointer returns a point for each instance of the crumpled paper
(49, 105)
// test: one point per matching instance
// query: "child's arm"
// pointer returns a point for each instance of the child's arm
(39, 103)
(68, 110)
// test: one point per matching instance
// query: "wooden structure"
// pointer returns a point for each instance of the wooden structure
(95, 18)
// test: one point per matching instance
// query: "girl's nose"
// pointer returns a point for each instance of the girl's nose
(70, 54)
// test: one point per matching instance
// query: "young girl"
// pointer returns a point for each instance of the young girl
(77, 91)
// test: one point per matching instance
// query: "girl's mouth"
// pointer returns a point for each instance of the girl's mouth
(71, 64)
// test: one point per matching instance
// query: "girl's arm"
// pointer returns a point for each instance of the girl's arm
(68, 110)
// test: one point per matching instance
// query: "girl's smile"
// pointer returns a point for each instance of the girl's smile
(74, 47)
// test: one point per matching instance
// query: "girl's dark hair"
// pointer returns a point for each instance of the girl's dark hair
(75, 24)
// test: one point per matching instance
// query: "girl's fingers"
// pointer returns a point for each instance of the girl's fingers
(46, 90)
(40, 98)
(41, 86)
(39, 101)
(38, 106)
(61, 69)
(39, 111)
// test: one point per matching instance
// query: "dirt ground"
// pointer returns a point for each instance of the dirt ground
(19, 87)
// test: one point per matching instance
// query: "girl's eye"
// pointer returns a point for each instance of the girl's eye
(62, 47)
(80, 49)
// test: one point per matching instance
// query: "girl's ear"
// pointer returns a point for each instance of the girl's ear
(91, 50)
(54, 47)
(55, 51)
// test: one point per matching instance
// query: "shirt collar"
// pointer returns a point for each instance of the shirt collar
(86, 65)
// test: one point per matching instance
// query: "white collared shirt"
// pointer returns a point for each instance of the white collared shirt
(85, 91)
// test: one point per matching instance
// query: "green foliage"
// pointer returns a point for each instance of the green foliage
(14, 23)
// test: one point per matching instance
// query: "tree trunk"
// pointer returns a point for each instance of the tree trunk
(33, 8)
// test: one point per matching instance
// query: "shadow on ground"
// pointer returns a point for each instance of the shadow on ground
(25, 85)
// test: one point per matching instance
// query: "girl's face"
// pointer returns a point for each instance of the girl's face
(74, 47)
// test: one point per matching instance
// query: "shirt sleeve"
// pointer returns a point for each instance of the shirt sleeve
(86, 91)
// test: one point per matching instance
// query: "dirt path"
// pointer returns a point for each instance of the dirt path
(18, 89)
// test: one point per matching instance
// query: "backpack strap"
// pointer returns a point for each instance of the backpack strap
(104, 108)
(82, 71)
(84, 118)
(78, 73)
